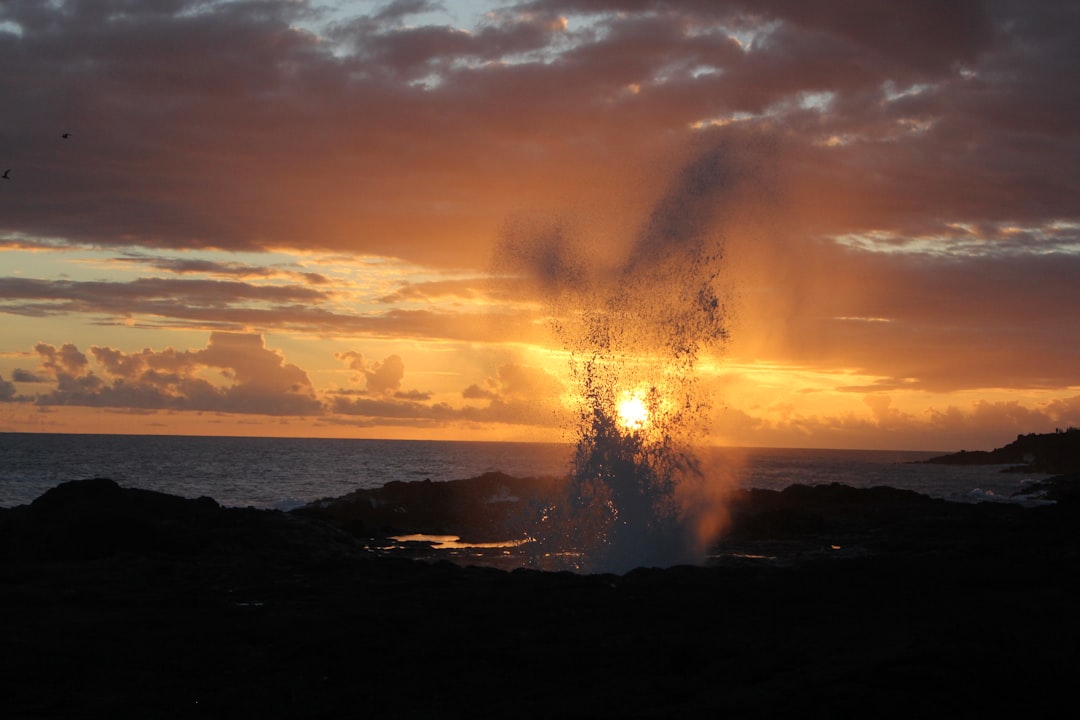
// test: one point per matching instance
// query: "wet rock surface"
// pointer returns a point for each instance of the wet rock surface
(869, 603)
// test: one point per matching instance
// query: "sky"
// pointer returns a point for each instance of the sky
(350, 219)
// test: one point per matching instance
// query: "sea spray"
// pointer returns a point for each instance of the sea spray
(637, 493)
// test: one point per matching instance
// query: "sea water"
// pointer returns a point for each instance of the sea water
(285, 473)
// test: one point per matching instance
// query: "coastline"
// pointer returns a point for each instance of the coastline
(132, 602)
(284, 474)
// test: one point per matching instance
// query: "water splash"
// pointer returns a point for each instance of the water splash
(637, 493)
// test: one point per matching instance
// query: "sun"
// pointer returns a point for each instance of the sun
(632, 412)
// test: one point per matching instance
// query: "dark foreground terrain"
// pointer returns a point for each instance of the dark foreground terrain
(819, 602)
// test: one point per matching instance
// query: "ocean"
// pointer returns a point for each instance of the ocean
(286, 473)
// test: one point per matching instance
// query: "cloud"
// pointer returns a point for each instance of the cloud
(198, 116)
(7, 390)
(237, 373)
(25, 376)
(392, 411)
(189, 266)
(381, 378)
(250, 378)
(517, 395)
(414, 52)
(913, 320)
(517, 382)
(147, 295)
(431, 290)
(240, 306)
(980, 425)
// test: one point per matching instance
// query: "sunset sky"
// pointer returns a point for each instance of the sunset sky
(329, 218)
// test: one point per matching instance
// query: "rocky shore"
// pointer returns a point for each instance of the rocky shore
(1057, 452)
(817, 602)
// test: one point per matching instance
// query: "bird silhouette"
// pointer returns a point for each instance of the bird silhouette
(5, 175)
(66, 135)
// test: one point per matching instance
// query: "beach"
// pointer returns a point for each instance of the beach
(818, 602)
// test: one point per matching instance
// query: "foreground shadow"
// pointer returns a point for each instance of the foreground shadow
(125, 602)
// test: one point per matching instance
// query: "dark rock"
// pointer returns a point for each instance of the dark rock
(490, 508)
(1061, 489)
(958, 609)
(92, 519)
(1057, 453)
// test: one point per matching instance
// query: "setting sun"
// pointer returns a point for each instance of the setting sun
(632, 412)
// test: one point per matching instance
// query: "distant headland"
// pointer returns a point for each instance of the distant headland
(1055, 453)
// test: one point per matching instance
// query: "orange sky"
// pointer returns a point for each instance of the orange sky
(365, 219)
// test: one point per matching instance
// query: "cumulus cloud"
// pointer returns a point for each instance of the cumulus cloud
(380, 377)
(251, 378)
(65, 360)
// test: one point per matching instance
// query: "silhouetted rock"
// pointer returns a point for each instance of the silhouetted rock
(490, 508)
(91, 519)
(801, 522)
(1061, 489)
(1057, 452)
(178, 608)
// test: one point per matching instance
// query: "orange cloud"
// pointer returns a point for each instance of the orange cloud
(256, 379)
(380, 377)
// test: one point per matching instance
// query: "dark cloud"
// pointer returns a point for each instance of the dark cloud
(25, 376)
(200, 118)
(414, 395)
(151, 295)
(181, 266)
(7, 391)
(231, 305)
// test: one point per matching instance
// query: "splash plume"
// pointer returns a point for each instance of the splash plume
(637, 492)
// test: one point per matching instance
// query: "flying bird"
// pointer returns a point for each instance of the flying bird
(66, 135)
(5, 175)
